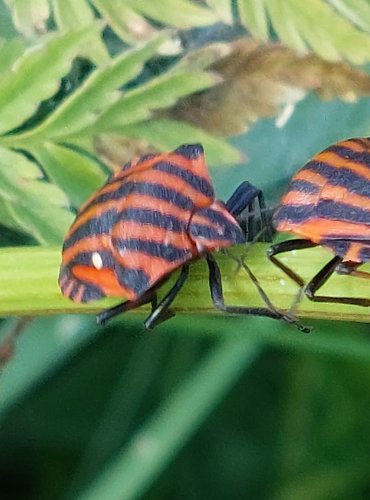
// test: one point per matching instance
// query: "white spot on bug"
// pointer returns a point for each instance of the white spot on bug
(294, 252)
(97, 261)
(282, 282)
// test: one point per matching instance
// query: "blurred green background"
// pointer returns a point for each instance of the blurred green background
(203, 407)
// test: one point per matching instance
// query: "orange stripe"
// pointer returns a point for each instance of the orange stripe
(329, 192)
(196, 166)
(153, 266)
(313, 177)
(136, 174)
(79, 294)
(294, 197)
(90, 244)
(174, 182)
(342, 195)
(105, 279)
(130, 229)
(318, 229)
(132, 201)
(68, 289)
(351, 144)
(62, 281)
(353, 253)
(337, 161)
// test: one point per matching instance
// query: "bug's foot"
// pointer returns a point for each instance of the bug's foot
(290, 318)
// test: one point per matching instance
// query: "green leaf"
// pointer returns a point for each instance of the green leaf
(161, 92)
(125, 21)
(356, 11)
(29, 17)
(36, 76)
(253, 16)
(223, 9)
(166, 135)
(10, 50)
(99, 91)
(286, 31)
(72, 15)
(36, 205)
(328, 32)
(329, 35)
(8, 219)
(177, 13)
(77, 174)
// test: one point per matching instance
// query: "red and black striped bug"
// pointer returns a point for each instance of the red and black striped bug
(153, 216)
(328, 204)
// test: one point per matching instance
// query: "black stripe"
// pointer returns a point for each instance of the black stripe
(231, 233)
(362, 157)
(75, 289)
(333, 210)
(215, 217)
(190, 151)
(105, 222)
(196, 182)
(304, 187)
(346, 237)
(102, 224)
(170, 253)
(85, 258)
(152, 218)
(294, 213)
(365, 253)
(355, 183)
(362, 141)
(156, 191)
(325, 209)
(339, 247)
(91, 292)
(135, 279)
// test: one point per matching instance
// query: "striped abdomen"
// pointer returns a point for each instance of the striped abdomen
(329, 200)
(134, 231)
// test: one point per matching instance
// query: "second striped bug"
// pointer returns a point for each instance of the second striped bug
(328, 204)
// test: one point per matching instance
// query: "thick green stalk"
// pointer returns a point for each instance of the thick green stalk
(29, 284)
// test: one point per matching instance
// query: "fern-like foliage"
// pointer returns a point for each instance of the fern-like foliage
(58, 121)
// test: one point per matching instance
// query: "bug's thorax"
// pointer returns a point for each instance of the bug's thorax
(214, 228)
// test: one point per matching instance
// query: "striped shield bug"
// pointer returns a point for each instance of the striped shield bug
(153, 216)
(328, 204)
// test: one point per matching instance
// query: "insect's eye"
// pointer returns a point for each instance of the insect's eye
(97, 260)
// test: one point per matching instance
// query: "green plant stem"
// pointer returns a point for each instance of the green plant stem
(170, 427)
(29, 285)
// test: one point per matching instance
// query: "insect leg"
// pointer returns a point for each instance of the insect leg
(162, 312)
(215, 286)
(288, 246)
(106, 315)
(336, 265)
